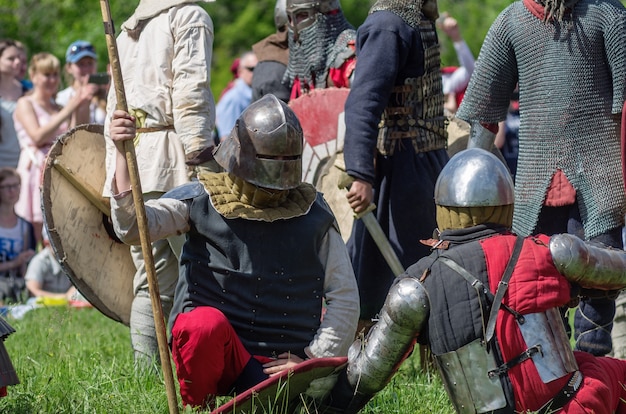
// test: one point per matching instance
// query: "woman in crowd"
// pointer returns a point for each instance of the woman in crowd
(11, 89)
(39, 120)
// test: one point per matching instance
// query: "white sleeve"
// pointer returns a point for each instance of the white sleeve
(165, 216)
(459, 79)
(338, 327)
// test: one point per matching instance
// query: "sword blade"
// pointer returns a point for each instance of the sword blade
(373, 227)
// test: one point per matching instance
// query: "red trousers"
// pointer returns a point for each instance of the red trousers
(208, 354)
(604, 386)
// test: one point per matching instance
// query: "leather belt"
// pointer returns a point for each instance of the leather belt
(564, 395)
(155, 129)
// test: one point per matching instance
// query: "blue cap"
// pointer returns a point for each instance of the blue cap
(78, 50)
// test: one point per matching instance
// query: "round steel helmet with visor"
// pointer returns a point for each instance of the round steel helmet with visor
(303, 13)
(474, 178)
(265, 146)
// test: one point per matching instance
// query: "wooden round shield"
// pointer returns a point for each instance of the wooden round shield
(77, 218)
(321, 115)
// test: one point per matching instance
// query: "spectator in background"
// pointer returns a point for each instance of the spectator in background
(237, 98)
(9, 145)
(234, 69)
(80, 62)
(12, 60)
(17, 238)
(10, 68)
(39, 120)
(27, 85)
(455, 78)
(45, 277)
(273, 55)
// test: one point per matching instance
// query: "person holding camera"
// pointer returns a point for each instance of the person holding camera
(81, 65)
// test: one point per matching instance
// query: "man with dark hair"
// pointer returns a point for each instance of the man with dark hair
(570, 62)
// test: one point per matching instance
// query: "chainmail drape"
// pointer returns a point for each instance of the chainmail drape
(309, 56)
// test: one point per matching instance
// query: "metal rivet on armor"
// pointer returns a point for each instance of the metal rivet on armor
(314, 316)
(287, 297)
(223, 290)
(285, 314)
(253, 310)
(258, 278)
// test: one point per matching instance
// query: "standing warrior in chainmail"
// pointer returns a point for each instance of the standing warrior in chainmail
(569, 57)
(321, 46)
(395, 139)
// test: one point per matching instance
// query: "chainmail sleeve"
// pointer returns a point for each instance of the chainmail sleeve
(495, 76)
(615, 44)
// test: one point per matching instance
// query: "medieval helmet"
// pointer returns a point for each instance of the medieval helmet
(474, 178)
(474, 188)
(303, 13)
(265, 146)
(280, 14)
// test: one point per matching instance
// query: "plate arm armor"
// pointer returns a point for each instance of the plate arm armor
(373, 361)
(591, 265)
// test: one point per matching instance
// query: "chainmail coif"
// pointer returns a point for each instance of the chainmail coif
(309, 56)
(411, 11)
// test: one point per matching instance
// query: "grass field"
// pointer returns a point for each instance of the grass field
(79, 361)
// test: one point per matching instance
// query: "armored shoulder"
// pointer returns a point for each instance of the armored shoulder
(186, 191)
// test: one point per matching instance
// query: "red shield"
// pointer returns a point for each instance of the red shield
(319, 114)
(283, 390)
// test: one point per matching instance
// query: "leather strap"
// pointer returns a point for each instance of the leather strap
(564, 395)
(502, 288)
(504, 368)
(155, 129)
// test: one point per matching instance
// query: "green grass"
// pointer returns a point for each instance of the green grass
(79, 361)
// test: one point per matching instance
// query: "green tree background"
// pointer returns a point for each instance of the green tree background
(51, 25)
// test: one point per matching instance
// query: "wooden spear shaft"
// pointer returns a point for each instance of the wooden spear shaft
(142, 222)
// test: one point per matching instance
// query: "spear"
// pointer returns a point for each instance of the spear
(142, 222)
